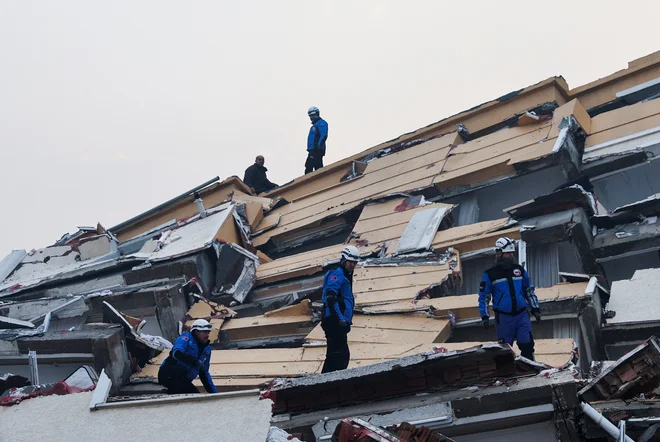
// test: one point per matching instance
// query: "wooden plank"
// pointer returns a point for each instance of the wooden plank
(404, 294)
(263, 258)
(367, 351)
(302, 264)
(501, 136)
(388, 227)
(403, 281)
(256, 355)
(383, 336)
(413, 321)
(479, 242)
(391, 329)
(623, 116)
(463, 307)
(391, 219)
(562, 290)
(262, 321)
(372, 272)
(266, 369)
(268, 223)
(265, 327)
(617, 132)
(301, 258)
(575, 109)
(533, 152)
(255, 214)
(376, 210)
(432, 147)
(470, 230)
(475, 173)
(241, 197)
(303, 308)
(500, 150)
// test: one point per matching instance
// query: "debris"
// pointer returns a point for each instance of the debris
(636, 372)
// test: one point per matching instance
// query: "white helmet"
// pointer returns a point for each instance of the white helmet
(505, 245)
(350, 253)
(313, 111)
(201, 324)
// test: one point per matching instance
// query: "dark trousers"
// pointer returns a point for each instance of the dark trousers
(173, 377)
(314, 161)
(337, 353)
(516, 327)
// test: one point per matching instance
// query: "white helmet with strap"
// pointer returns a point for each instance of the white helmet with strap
(505, 245)
(350, 253)
(202, 325)
(313, 111)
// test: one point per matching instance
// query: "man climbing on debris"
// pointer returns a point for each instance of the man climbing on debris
(318, 134)
(338, 305)
(512, 293)
(190, 357)
(255, 177)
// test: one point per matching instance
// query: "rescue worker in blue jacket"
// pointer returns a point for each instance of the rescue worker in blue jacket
(318, 134)
(338, 302)
(190, 357)
(512, 293)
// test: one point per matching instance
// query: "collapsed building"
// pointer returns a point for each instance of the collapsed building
(569, 174)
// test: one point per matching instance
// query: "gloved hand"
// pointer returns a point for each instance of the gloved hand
(485, 321)
(345, 325)
(537, 314)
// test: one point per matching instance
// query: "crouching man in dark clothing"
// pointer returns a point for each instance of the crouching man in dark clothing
(338, 304)
(255, 176)
(509, 286)
(190, 357)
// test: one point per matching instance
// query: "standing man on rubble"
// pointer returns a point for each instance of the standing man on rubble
(318, 134)
(512, 293)
(190, 357)
(255, 176)
(338, 302)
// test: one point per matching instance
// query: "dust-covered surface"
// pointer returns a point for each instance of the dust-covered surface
(278, 435)
(68, 419)
(635, 300)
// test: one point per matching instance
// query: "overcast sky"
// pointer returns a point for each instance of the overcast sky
(110, 108)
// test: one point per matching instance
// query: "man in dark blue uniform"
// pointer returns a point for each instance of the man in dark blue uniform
(338, 302)
(190, 357)
(512, 293)
(318, 134)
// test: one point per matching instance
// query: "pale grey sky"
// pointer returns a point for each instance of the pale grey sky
(109, 108)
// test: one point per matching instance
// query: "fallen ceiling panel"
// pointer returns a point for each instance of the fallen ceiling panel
(420, 230)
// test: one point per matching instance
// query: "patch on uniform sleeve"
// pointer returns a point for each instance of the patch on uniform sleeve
(333, 277)
(482, 286)
(517, 272)
(185, 338)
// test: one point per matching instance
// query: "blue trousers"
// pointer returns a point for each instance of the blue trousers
(517, 328)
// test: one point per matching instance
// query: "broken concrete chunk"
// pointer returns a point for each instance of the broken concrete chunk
(635, 373)
(236, 272)
(205, 309)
